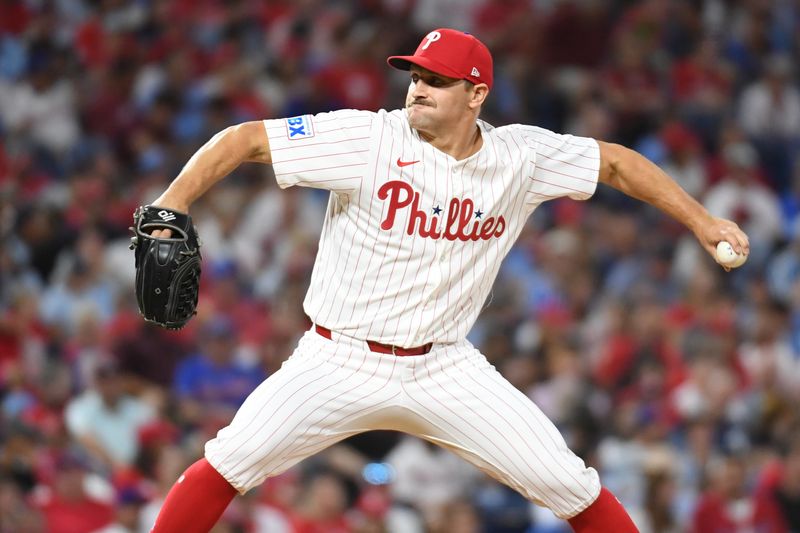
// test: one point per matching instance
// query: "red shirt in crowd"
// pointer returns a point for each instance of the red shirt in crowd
(716, 515)
(307, 525)
(80, 516)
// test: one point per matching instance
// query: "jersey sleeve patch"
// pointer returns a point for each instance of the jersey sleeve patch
(300, 127)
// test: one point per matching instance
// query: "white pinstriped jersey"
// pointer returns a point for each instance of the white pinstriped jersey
(413, 238)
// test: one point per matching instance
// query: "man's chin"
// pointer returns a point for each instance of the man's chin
(415, 117)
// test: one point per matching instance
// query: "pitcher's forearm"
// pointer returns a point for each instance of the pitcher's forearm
(638, 177)
(213, 161)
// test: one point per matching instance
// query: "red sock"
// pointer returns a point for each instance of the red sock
(195, 502)
(605, 515)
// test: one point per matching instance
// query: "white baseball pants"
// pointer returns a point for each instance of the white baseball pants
(329, 390)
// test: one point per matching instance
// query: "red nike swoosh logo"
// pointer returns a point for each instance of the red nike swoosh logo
(405, 163)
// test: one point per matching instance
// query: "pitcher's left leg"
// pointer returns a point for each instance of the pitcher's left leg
(468, 407)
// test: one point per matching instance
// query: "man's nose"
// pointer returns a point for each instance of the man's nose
(420, 91)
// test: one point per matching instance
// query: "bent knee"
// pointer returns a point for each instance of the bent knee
(567, 492)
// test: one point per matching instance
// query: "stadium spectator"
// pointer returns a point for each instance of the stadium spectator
(742, 197)
(322, 505)
(40, 107)
(702, 87)
(426, 477)
(279, 494)
(105, 420)
(211, 384)
(727, 506)
(66, 505)
(785, 494)
(684, 158)
(769, 113)
(127, 505)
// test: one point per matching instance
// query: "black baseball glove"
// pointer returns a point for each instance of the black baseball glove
(167, 270)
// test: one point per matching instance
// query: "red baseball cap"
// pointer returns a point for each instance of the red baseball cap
(451, 53)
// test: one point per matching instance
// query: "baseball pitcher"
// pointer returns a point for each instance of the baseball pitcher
(425, 202)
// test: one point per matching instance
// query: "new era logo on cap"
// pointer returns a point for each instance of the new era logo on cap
(451, 53)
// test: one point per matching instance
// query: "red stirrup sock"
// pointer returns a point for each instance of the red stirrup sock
(605, 515)
(195, 502)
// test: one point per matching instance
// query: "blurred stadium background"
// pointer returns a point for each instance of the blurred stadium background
(679, 382)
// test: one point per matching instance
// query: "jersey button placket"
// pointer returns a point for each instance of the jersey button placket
(444, 247)
(442, 256)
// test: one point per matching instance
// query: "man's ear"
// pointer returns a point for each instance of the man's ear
(478, 96)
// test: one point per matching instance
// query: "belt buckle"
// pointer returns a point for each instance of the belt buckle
(393, 349)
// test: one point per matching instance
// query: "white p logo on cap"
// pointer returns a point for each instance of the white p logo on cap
(432, 37)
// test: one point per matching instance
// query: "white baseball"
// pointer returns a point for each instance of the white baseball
(728, 257)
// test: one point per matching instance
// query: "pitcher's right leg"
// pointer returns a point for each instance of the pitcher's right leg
(318, 397)
(321, 395)
(195, 502)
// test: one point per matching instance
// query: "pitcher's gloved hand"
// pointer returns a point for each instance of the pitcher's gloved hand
(167, 265)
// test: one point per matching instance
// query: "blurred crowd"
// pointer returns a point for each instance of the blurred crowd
(679, 382)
